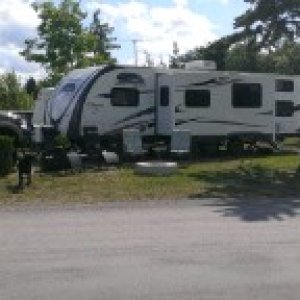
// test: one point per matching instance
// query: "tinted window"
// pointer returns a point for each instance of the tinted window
(284, 108)
(164, 96)
(130, 78)
(246, 95)
(197, 98)
(69, 87)
(284, 85)
(125, 97)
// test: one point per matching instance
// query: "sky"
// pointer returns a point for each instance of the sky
(154, 24)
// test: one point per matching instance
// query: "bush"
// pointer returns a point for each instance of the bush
(6, 155)
(62, 141)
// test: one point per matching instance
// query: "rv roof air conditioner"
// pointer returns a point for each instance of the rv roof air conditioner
(201, 65)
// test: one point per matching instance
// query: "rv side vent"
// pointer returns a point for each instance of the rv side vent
(201, 65)
(130, 78)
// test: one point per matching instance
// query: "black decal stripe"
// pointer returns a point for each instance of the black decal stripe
(139, 114)
(211, 82)
(181, 122)
(266, 113)
(75, 121)
(108, 96)
(142, 125)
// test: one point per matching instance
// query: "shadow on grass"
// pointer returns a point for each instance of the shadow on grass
(14, 189)
(252, 193)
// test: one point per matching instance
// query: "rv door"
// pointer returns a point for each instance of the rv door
(165, 111)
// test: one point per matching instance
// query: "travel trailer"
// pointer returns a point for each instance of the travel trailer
(40, 108)
(216, 107)
(14, 124)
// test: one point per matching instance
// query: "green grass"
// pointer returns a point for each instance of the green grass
(293, 142)
(244, 177)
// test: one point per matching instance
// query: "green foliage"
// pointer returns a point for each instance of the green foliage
(31, 87)
(247, 57)
(216, 51)
(270, 20)
(63, 43)
(268, 40)
(242, 57)
(12, 95)
(62, 141)
(287, 59)
(6, 155)
(99, 39)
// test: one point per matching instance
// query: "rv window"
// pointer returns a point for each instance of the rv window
(284, 108)
(164, 96)
(284, 85)
(69, 87)
(197, 98)
(125, 97)
(246, 95)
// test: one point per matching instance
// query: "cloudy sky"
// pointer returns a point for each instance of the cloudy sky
(156, 24)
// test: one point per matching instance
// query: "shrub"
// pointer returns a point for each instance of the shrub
(6, 155)
(62, 141)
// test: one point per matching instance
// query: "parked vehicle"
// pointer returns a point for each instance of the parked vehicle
(12, 125)
(95, 105)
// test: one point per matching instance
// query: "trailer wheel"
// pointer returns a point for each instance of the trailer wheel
(235, 147)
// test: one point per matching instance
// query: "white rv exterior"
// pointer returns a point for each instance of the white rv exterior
(213, 105)
(39, 114)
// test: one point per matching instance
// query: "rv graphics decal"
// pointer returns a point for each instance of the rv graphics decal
(74, 127)
(266, 113)
(217, 81)
(141, 125)
(202, 120)
(139, 114)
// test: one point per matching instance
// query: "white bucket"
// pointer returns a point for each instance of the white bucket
(161, 168)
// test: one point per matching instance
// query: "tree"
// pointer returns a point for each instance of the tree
(243, 58)
(12, 95)
(63, 43)
(31, 87)
(287, 59)
(238, 59)
(267, 42)
(216, 51)
(270, 21)
(102, 43)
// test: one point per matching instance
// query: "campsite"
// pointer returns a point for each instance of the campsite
(99, 133)
(150, 149)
